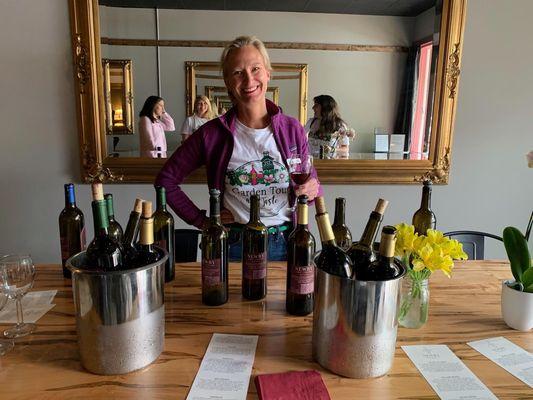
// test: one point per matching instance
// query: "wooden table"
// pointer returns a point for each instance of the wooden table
(46, 364)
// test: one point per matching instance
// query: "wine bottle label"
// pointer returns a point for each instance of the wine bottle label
(255, 266)
(211, 272)
(302, 280)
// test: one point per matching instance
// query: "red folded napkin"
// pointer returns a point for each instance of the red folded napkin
(296, 385)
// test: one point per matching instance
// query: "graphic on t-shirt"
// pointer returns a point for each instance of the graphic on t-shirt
(266, 177)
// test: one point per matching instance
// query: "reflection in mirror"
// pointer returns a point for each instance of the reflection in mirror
(384, 86)
(118, 96)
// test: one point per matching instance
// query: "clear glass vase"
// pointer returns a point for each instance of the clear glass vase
(414, 303)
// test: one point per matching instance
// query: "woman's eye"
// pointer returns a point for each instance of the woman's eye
(237, 73)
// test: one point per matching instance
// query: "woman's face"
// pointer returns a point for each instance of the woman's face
(159, 108)
(201, 108)
(317, 110)
(247, 76)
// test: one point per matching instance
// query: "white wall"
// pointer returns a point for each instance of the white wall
(490, 185)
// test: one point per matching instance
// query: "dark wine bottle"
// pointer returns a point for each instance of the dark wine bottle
(147, 254)
(115, 230)
(164, 231)
(385, 267)
(130, 235)
(104, 253)
(361, 253)
(214, 255)
(332, 259)
(71, 228)
(424, 218)
(254, 254)
(300, 269)
(343, 236)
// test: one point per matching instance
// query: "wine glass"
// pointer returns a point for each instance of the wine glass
(5, 345)
(17, 274)
(300, 167)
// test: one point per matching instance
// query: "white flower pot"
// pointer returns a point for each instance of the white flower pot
(517, 307)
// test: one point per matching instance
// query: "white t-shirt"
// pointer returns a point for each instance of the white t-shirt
(192, 123)
(256, 167)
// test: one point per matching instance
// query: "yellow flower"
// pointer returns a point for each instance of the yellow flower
(431, 257)
(405, 239)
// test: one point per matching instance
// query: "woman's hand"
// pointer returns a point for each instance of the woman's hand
(310, 188)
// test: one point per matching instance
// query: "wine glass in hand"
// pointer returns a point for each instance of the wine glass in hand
(17, 274)
(300, 167)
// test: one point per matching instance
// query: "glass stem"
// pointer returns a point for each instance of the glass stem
(20, 315)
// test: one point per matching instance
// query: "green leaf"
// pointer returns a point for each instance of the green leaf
(527, 280)
(517, 251)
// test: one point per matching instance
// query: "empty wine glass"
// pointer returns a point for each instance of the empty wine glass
(5, 345)
(17, 274)
(300, 167)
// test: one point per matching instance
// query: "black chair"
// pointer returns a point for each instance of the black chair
(473, 242)
(186, 245)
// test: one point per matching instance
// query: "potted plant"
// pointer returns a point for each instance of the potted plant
(517, 294)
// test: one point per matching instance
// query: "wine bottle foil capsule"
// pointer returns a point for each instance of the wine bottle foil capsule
(355, 324)
(120, 315)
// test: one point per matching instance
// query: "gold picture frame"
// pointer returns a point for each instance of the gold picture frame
(118, 97)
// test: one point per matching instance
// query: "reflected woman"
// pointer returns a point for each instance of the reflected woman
(245, 151)
(153, 123)
(203, 112)
(327, 126)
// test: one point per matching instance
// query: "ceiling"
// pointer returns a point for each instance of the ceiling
(405, 8)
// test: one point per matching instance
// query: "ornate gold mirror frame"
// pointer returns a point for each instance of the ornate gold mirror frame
(197, 69)
(119, 118)
(97, 165)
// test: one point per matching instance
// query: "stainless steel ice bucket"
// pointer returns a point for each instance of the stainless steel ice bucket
(120, 316)
(355, 324)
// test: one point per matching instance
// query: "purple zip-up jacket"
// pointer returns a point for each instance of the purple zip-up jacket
(212, 145)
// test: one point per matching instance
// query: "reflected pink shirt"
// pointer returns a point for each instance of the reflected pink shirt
(152, 135)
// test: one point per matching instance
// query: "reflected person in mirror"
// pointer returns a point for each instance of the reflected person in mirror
(245, 152)
(203, 112)
(153, 122)
(326, 128)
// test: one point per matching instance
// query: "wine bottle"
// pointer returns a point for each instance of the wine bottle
(332, 259)
(424, 218)
(164, 231)
(104, 253)
(115, 230)
(254, 254)
(71, 228)
(385, 266)
(361, 253)
(147, 254)
(214, 255)
(343, 236)
(130, 235)
(300, 269)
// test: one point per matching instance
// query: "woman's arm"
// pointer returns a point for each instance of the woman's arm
(187, 158)
(168, 122)
(312, 187)
(146, 131)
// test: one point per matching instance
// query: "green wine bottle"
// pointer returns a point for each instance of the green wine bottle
(342, 233)
(300, 269)
(385, 267)
(130, 235)
(254, 254)
(164, 231)
(115, 230)
(424, 218)
(146, 253)
(214, 255)
(71, 228)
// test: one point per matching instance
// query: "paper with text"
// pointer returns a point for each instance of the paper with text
(507, 355)
(447, 374)
(34, 306)
(225, 370)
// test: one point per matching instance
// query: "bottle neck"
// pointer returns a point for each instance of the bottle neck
(161, 199)
(254, 210)
(371, 229)
(214, 209)
(426, 198)
(131, 228)
(110, 210)
(324, 228)
(100, 219)
(386, 246)
(70, 197)
(303, 215)
(339, 212)
(147, 231)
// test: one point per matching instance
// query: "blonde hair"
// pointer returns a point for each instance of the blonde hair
(240, 42)
(209, 114)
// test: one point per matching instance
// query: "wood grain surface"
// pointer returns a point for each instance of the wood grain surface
(46, 364)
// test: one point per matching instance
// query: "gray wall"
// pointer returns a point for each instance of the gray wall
(490, 185)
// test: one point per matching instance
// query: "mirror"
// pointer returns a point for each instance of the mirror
(118, 96)
(393, 72)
